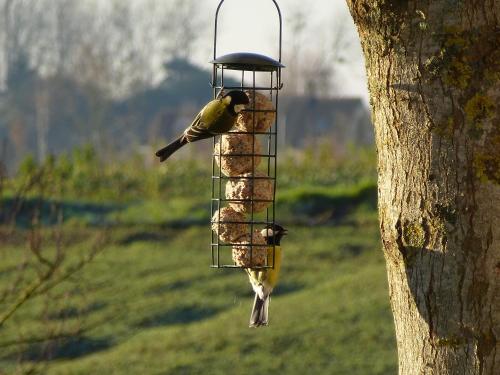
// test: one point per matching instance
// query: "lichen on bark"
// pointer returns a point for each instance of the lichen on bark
(413, 235)
(433, 70)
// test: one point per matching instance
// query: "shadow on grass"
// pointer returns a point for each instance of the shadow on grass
(321, 206)
(165, 288)
(89, 213)
(351, 250)
(307, 205)
(178, 315)
(286, 288)
(143, 236)
(75, 312)
(345, 251)
(71, 348)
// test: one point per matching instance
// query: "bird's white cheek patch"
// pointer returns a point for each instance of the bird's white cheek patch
(267, 232)
(238, 108)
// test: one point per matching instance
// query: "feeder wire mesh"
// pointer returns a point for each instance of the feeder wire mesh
(250, 190)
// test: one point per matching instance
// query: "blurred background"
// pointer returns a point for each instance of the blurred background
(105, 253)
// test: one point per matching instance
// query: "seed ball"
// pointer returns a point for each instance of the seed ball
(241, 145)
(229, 225)
(241, 188)
(263, 120)
(241, 252)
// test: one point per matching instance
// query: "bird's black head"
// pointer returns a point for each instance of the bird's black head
(237, 97)
(273, 233)
(237, 100)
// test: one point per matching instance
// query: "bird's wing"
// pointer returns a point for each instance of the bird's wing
(195, 131)
(199, 127)
(258, 280)
(251, 275)
(257, 286)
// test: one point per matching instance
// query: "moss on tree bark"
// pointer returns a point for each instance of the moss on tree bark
(434, 80)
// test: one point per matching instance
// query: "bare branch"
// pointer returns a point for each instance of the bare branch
(27, 294)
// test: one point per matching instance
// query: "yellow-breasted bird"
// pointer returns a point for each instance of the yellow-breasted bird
(217, 117)
(264, 280)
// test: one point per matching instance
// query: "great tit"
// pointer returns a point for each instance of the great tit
(217, 117)
(264, 280)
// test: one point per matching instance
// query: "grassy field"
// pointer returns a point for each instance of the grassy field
(149, 303)
(155, 307)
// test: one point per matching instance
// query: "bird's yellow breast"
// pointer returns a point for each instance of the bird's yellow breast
(272, 274)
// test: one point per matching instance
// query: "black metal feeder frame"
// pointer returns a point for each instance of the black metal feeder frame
(258, 73)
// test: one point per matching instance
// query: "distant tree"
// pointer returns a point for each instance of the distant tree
(126, 40)
(320, 69)
(69, 23)
(297, 22)
(313, 71)
(188, 23)
(434, 72)
(10, 40)
(21, 75)
(42, 118)
(17, 111)
(5, 6)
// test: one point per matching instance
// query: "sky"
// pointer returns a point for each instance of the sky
(253, 26)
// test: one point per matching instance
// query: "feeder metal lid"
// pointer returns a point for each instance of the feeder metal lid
(248, 61)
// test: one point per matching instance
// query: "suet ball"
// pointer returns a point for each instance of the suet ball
(241, 189)
(241, 253)
(242, 145)
(230, 225)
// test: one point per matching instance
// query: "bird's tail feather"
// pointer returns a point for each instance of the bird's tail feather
(260, 312)
(166, 151)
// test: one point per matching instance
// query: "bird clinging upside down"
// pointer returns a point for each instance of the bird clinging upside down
(264, 280)
(217, 117)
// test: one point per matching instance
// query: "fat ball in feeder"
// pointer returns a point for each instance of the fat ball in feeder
(250, 192)
(228, 224)
(234, 152)
(251, 250)
(264, 113)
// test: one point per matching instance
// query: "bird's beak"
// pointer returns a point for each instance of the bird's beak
(284, 232)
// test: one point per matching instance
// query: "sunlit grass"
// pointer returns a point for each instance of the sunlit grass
(150, 304)
(159, 308)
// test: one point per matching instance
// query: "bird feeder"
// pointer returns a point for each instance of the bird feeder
(244, 160)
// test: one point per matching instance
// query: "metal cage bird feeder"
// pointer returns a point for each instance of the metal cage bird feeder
(243, 171)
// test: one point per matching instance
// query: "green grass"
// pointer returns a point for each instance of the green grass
(150, 303)
(157, 308)
(301, 205)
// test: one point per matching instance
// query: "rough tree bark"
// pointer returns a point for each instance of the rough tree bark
(434, 79)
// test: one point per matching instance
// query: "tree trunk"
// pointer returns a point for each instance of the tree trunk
(5, 50)
(42, 120)
(434, 79)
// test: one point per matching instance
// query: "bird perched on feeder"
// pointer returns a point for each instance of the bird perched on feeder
(264, 280)
(217, 117)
